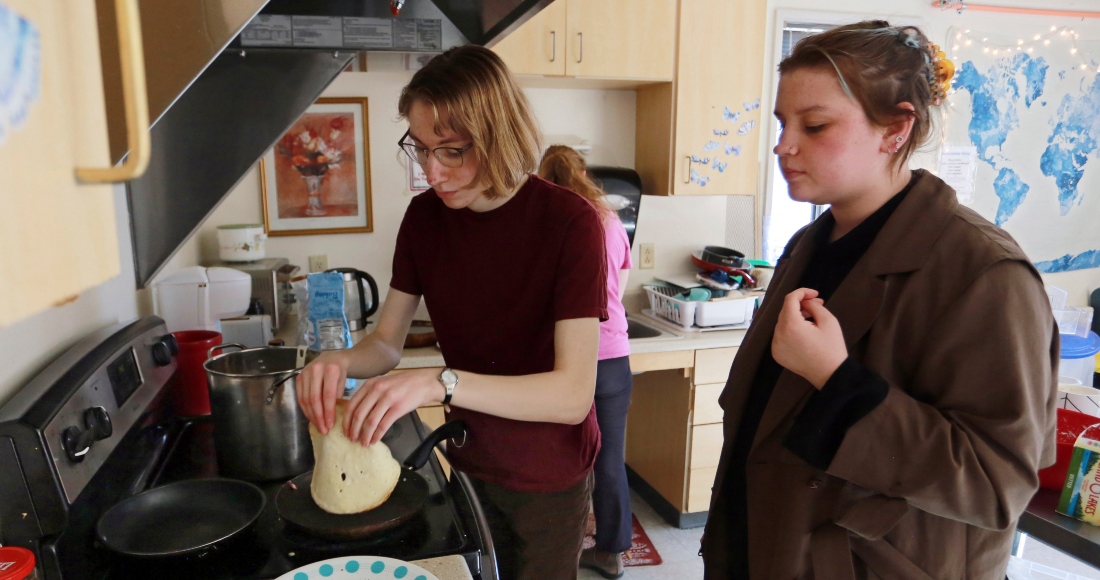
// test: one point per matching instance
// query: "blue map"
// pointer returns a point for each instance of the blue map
(1016, 85)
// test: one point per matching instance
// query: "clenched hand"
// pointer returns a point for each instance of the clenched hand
(808, 340)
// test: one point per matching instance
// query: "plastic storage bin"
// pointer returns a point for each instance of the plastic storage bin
(725, 312)
(1076, 367)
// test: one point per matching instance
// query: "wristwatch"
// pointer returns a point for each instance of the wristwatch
(449, 379)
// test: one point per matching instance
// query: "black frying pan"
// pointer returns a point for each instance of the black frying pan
(180, 518)
(295, 504)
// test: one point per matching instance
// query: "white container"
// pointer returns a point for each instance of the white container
(1076, 367)
(725, 312)
(241, 242)
(196, 298)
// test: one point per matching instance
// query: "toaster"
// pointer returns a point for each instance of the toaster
(270, 285)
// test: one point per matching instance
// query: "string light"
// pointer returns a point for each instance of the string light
(1085, 62)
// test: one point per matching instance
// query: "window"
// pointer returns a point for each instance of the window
(784, 216)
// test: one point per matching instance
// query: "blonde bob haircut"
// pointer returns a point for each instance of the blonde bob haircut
(480, 100)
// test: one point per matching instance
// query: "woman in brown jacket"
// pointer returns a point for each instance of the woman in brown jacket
(888, 410)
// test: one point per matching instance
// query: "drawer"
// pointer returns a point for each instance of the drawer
(712, 365)
(699, 486)
(706, 445)
(705, 409)
(658, 361)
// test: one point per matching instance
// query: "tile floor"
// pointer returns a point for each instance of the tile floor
(679, 550)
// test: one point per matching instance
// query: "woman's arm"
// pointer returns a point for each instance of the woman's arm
(563, 395)
(624, 275)
(323, 380)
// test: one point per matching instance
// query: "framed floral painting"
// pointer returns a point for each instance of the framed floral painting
(316, 179)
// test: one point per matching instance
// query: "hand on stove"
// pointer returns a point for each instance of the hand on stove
(320, 384)
(381, 401)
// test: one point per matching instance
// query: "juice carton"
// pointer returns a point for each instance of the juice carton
(1081, 492)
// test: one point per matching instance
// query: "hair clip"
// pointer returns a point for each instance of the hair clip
(941, 71)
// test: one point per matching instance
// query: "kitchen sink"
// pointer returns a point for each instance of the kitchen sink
(636, 330)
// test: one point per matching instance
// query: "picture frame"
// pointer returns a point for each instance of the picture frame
(316, 178)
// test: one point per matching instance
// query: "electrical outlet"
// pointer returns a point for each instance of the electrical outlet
(318, 263)
(647, 256)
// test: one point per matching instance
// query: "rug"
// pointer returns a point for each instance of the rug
(641, 552)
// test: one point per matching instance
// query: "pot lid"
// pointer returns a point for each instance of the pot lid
(1074, 346)
(15, 563)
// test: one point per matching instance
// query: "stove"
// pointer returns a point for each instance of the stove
(95, 427)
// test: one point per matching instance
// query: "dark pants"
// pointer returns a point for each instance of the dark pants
(537, 536)
(611, 496)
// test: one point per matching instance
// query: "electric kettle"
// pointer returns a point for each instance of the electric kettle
(358, 305)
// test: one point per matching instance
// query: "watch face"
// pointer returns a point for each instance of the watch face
(449, 376)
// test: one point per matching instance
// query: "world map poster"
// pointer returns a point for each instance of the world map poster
(1031, 108)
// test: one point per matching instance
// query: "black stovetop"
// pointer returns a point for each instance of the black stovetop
(443, 527)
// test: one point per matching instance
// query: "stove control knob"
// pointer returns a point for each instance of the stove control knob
(77, 443)
(98, 422)
(162, 354)
(173, 344)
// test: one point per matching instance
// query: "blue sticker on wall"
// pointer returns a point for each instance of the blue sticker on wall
(746, 127)
(20, 69)
(719, 165)
(702, 180)
(754, 105)
(728, 115)
(734, 150)
(721, 132)
(711, 146)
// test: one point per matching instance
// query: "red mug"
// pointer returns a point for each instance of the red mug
(189, 390)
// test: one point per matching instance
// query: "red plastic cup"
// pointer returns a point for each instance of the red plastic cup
(1070, 425)
(189, 390)
(16, 564)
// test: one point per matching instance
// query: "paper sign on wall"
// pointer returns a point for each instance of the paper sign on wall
(957, 166)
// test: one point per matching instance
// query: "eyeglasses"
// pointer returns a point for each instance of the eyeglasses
(447, 156)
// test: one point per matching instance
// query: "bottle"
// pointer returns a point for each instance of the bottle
(17, 564)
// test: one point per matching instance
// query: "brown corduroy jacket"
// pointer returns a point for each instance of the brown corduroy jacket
(930, 484)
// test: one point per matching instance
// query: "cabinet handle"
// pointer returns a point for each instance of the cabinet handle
(135, 100)
(687, 168)
(580, 53)
(553, 45)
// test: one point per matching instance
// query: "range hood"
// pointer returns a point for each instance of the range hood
(226, 78)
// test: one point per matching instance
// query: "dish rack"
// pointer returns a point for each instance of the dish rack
(664, 303)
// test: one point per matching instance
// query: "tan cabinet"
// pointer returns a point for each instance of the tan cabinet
(674, 431)
(58, 233)
(597, 39)
(701, 134)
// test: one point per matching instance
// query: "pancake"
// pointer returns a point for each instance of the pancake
(347, 477)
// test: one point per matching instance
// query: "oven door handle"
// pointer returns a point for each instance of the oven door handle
(489, 569)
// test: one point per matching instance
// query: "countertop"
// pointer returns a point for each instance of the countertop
(672, 339)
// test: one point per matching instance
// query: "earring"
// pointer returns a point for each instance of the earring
(792, 150)
(899, 140)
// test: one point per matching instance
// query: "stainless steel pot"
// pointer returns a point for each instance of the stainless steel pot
(255, 440)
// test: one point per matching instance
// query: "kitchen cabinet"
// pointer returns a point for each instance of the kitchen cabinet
(58, 232)
(700, 134)
(596, 39)
(674, 434)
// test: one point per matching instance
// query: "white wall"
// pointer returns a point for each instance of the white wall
(936, 24)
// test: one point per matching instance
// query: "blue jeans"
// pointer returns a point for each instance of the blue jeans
(611, 495)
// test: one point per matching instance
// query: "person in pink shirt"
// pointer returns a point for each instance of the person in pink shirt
(611, 495)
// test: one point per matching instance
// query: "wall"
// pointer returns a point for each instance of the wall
(936, 24)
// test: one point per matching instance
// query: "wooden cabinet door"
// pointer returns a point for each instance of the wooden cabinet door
(621, 39)
(719, 80)
(58, 236)
(538, 46)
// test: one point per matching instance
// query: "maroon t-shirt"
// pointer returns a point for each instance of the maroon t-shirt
(494, 284)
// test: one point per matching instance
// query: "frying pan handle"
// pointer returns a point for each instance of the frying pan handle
(420, 455)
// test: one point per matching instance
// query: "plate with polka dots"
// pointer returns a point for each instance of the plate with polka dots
(359, 568)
